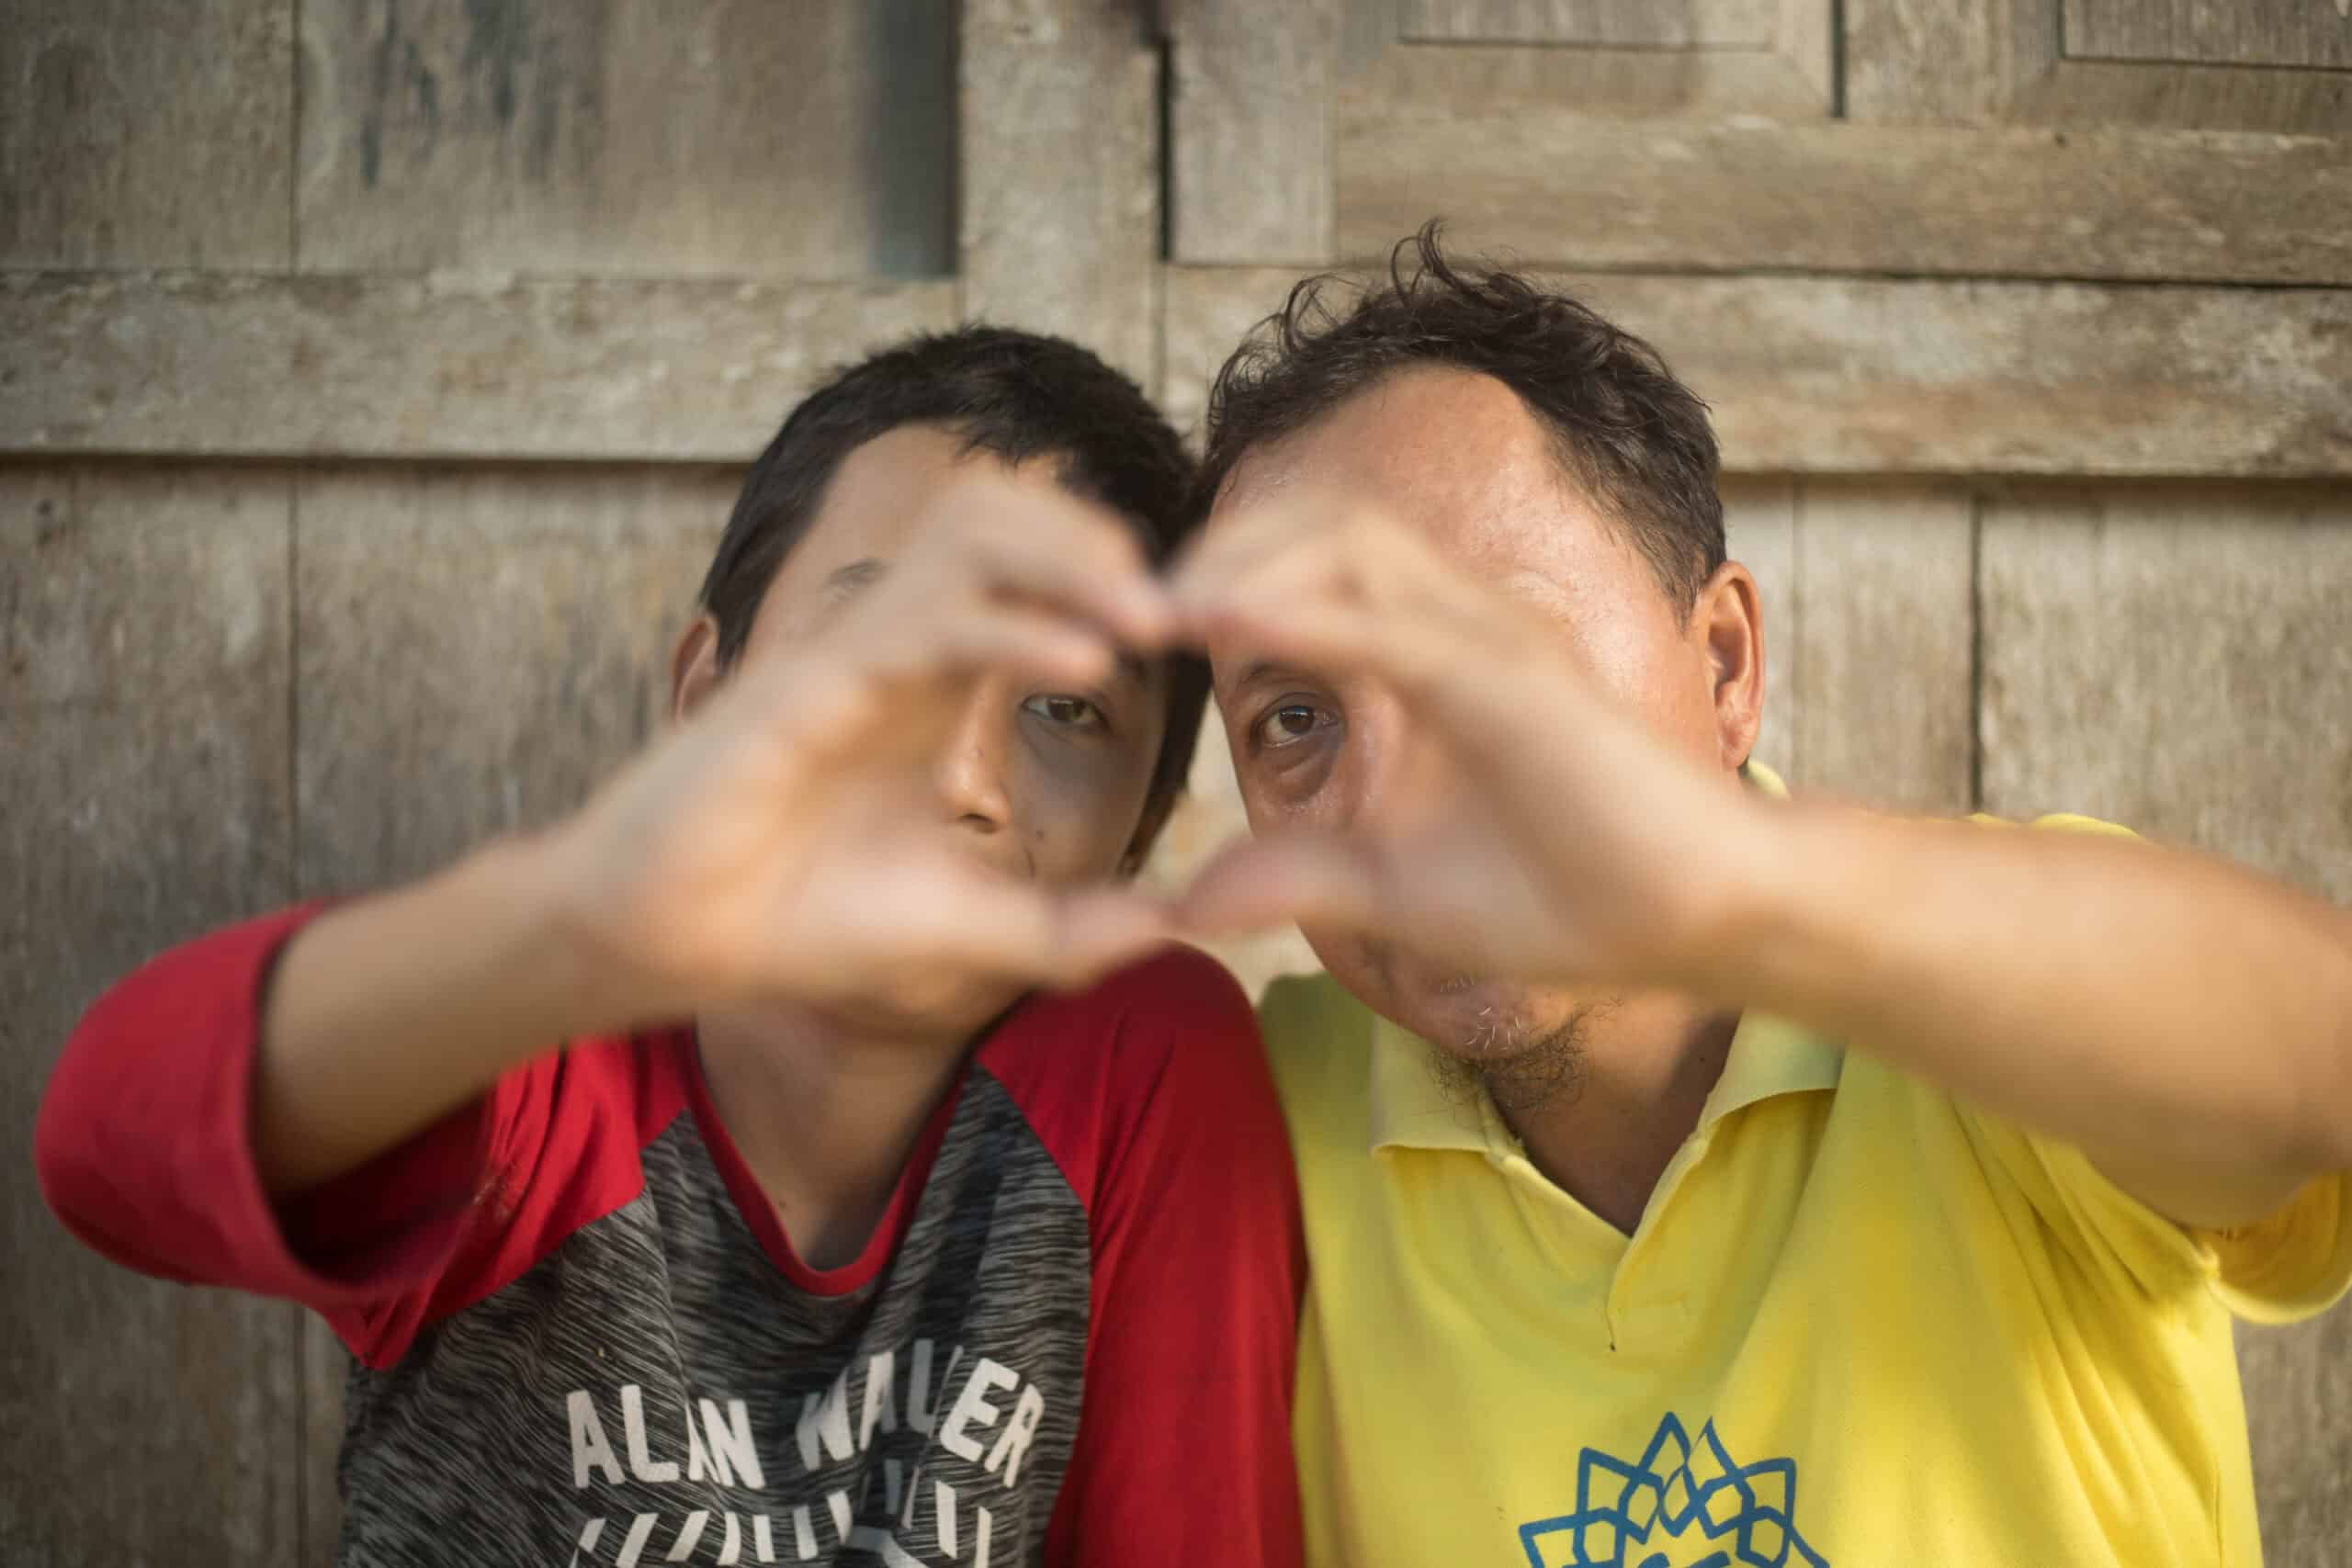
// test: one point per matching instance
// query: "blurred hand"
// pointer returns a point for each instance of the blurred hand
(784, 842)
(1579, 848)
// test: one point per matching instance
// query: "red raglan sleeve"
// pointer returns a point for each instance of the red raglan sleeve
(1183, 1448)
(144, 1151)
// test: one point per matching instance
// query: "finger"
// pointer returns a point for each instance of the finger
(1240, 545)
(1295, 876)
(1064, 939)
(964, 640)
(1053, 550)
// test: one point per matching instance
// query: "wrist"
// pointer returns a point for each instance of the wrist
(564, 948)
(1742, 916)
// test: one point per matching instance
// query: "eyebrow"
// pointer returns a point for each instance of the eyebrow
(1253, 672)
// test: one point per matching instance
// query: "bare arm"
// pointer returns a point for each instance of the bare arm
(2186, 1023)
(389, 1013)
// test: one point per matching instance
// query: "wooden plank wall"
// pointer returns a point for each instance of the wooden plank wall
(373, 379)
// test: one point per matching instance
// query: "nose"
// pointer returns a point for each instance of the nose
(971, 769)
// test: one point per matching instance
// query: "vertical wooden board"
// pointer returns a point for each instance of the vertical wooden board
(1208, 311)
(1760, 533)
(326, 1368)
(1060, 143)
(146, 136)
(709, 136)
(143, 669)
(1249, 128)
(2177, 661)
(1650, 23)
(479, 648)
(2298, 1385)
(2211, 32)
(1924, 60)
(1887, 643)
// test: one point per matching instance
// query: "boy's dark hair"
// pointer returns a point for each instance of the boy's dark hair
(1014, 395)
(1634, 437)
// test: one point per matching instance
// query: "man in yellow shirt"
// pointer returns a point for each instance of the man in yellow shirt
(1692, 1176)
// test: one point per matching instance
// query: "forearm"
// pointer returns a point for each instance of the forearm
(2186, 1023)
(389, 1013)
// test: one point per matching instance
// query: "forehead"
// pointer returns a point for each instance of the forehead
(877, 498)
(1457, 454)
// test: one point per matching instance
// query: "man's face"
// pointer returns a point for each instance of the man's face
(1457, 455)
(1039, 784)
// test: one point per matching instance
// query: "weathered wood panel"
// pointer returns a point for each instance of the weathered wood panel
(326, 1368)
(1656, 24)
(1944, 60)
(1733, 195)
(2210, 32)
(2213, 97)
(715, 136)
(1208, 309)
(1884, 640)
(2180, 660)
(2298, 1385)
(140, 135)
(1249, 128)
(479, 648)
(440, 365)
(1866, 376)
(1999, 59)
(1060, 140)
(1625, 83)
(143, 669)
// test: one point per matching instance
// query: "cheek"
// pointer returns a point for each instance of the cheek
(1079, 811)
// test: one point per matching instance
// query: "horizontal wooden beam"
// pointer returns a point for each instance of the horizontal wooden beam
(428, 366)
(1735, 195)
(1826, 375)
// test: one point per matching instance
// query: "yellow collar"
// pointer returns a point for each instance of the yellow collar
(1411, 1109)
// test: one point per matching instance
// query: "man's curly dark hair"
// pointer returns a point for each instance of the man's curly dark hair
(1632, 436)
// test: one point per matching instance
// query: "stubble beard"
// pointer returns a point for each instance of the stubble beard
(1517, 1065)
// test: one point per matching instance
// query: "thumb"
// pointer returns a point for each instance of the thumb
(1304, 875)
(1064, 940)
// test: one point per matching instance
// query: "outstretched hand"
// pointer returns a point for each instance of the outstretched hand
(782, 843)
(1577, 846)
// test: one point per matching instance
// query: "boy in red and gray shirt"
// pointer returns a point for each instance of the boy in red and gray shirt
(703, 1179)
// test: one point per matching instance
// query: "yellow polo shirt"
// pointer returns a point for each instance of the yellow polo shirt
(1859, 1323)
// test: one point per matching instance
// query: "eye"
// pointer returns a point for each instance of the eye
(1066, 712)
(1287, 724)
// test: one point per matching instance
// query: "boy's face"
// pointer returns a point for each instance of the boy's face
(1037, 782)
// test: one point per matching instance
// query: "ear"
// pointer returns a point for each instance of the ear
(1728, 621)
(1156, 808)
(694, 670)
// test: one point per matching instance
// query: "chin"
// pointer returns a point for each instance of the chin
(1474, 1019)
(933, 1009)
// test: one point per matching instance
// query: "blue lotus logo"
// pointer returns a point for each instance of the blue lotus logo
(1681, 1505)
